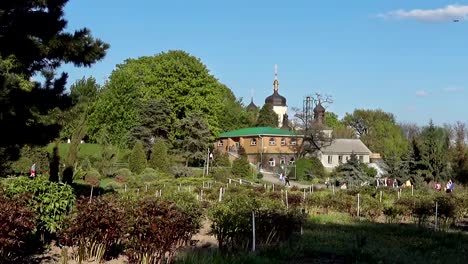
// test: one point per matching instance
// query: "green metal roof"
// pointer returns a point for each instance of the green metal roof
(257, 131)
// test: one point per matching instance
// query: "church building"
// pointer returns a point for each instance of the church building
(272, 147)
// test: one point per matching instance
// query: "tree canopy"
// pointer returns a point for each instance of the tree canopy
(176, 78)
(33, 41)
(267, 117)
(379, 131)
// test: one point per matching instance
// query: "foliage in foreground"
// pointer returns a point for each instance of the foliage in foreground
(147, 230)
(232, 222)
(51, 201)
(17, 223)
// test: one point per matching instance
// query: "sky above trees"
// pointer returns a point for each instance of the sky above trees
(405, 57)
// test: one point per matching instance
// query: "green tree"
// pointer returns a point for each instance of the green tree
(352, 172)
(220, 159)
(241, 167)
(309, 167)
(176, 77)
(379, 131)
(155, 121)
(194, 138)
(26, 51)
(460, 153)
(83, 93)
(160, 158)
(434, 153)
(137, 159)
(267, 117)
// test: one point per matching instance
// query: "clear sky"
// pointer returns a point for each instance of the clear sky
(405, 57)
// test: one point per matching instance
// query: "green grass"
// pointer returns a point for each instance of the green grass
(336, 238)
(86, 150)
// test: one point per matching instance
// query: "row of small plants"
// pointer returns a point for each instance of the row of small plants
(148, 230)
(419, 208)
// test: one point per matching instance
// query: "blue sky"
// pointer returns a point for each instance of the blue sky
(405, 57)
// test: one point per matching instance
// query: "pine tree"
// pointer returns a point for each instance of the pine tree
(137, 159)
(159, 159)
(434, 153)
(34, 42)
(220, 159)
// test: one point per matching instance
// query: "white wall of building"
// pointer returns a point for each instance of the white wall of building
(280, 111)
(334, 158)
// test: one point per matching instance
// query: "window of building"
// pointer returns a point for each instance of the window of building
(271, 162)
(283, 141)
(293, 141)
(272, 141)
(291, 161)
(361, 158)
(340, 159)
(220, 143)
(253, 142)
(330, 159)
(282, 161)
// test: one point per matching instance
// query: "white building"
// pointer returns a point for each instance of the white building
(340, 150)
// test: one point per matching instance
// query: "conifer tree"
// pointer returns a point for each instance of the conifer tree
(137, 159)
(267, 117)
(159, 159)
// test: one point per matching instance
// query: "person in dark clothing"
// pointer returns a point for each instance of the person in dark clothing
(286, 181)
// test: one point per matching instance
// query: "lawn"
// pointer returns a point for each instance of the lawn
(336, 238)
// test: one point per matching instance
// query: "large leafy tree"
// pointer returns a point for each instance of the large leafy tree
(379, 131)
(176, 77)
(267, 117)
(33, 41)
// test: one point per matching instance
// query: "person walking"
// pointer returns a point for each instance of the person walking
(33, 171)
(286, 181)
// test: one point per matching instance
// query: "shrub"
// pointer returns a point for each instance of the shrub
(423, 210)
(90, 228)
(391, 214)
(181, 171)
(137, 159)
(17, 222)
(259, 175)
(308, 168)
(241, 167)
(159, 158)
(232, 222)
(51, 201)
(157, 229)
(92, 178)
(124, 172)
(220, 174)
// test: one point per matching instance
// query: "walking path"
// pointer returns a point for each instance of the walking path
(273, 178)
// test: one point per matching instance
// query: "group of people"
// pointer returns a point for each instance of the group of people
(448, 187)
(284, 179)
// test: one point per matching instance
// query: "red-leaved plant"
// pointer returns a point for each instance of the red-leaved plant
(157, 229)
(17, 223)
(96, 228)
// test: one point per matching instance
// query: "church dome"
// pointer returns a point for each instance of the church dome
(252, 106)
(319, 108)
(276, 99)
